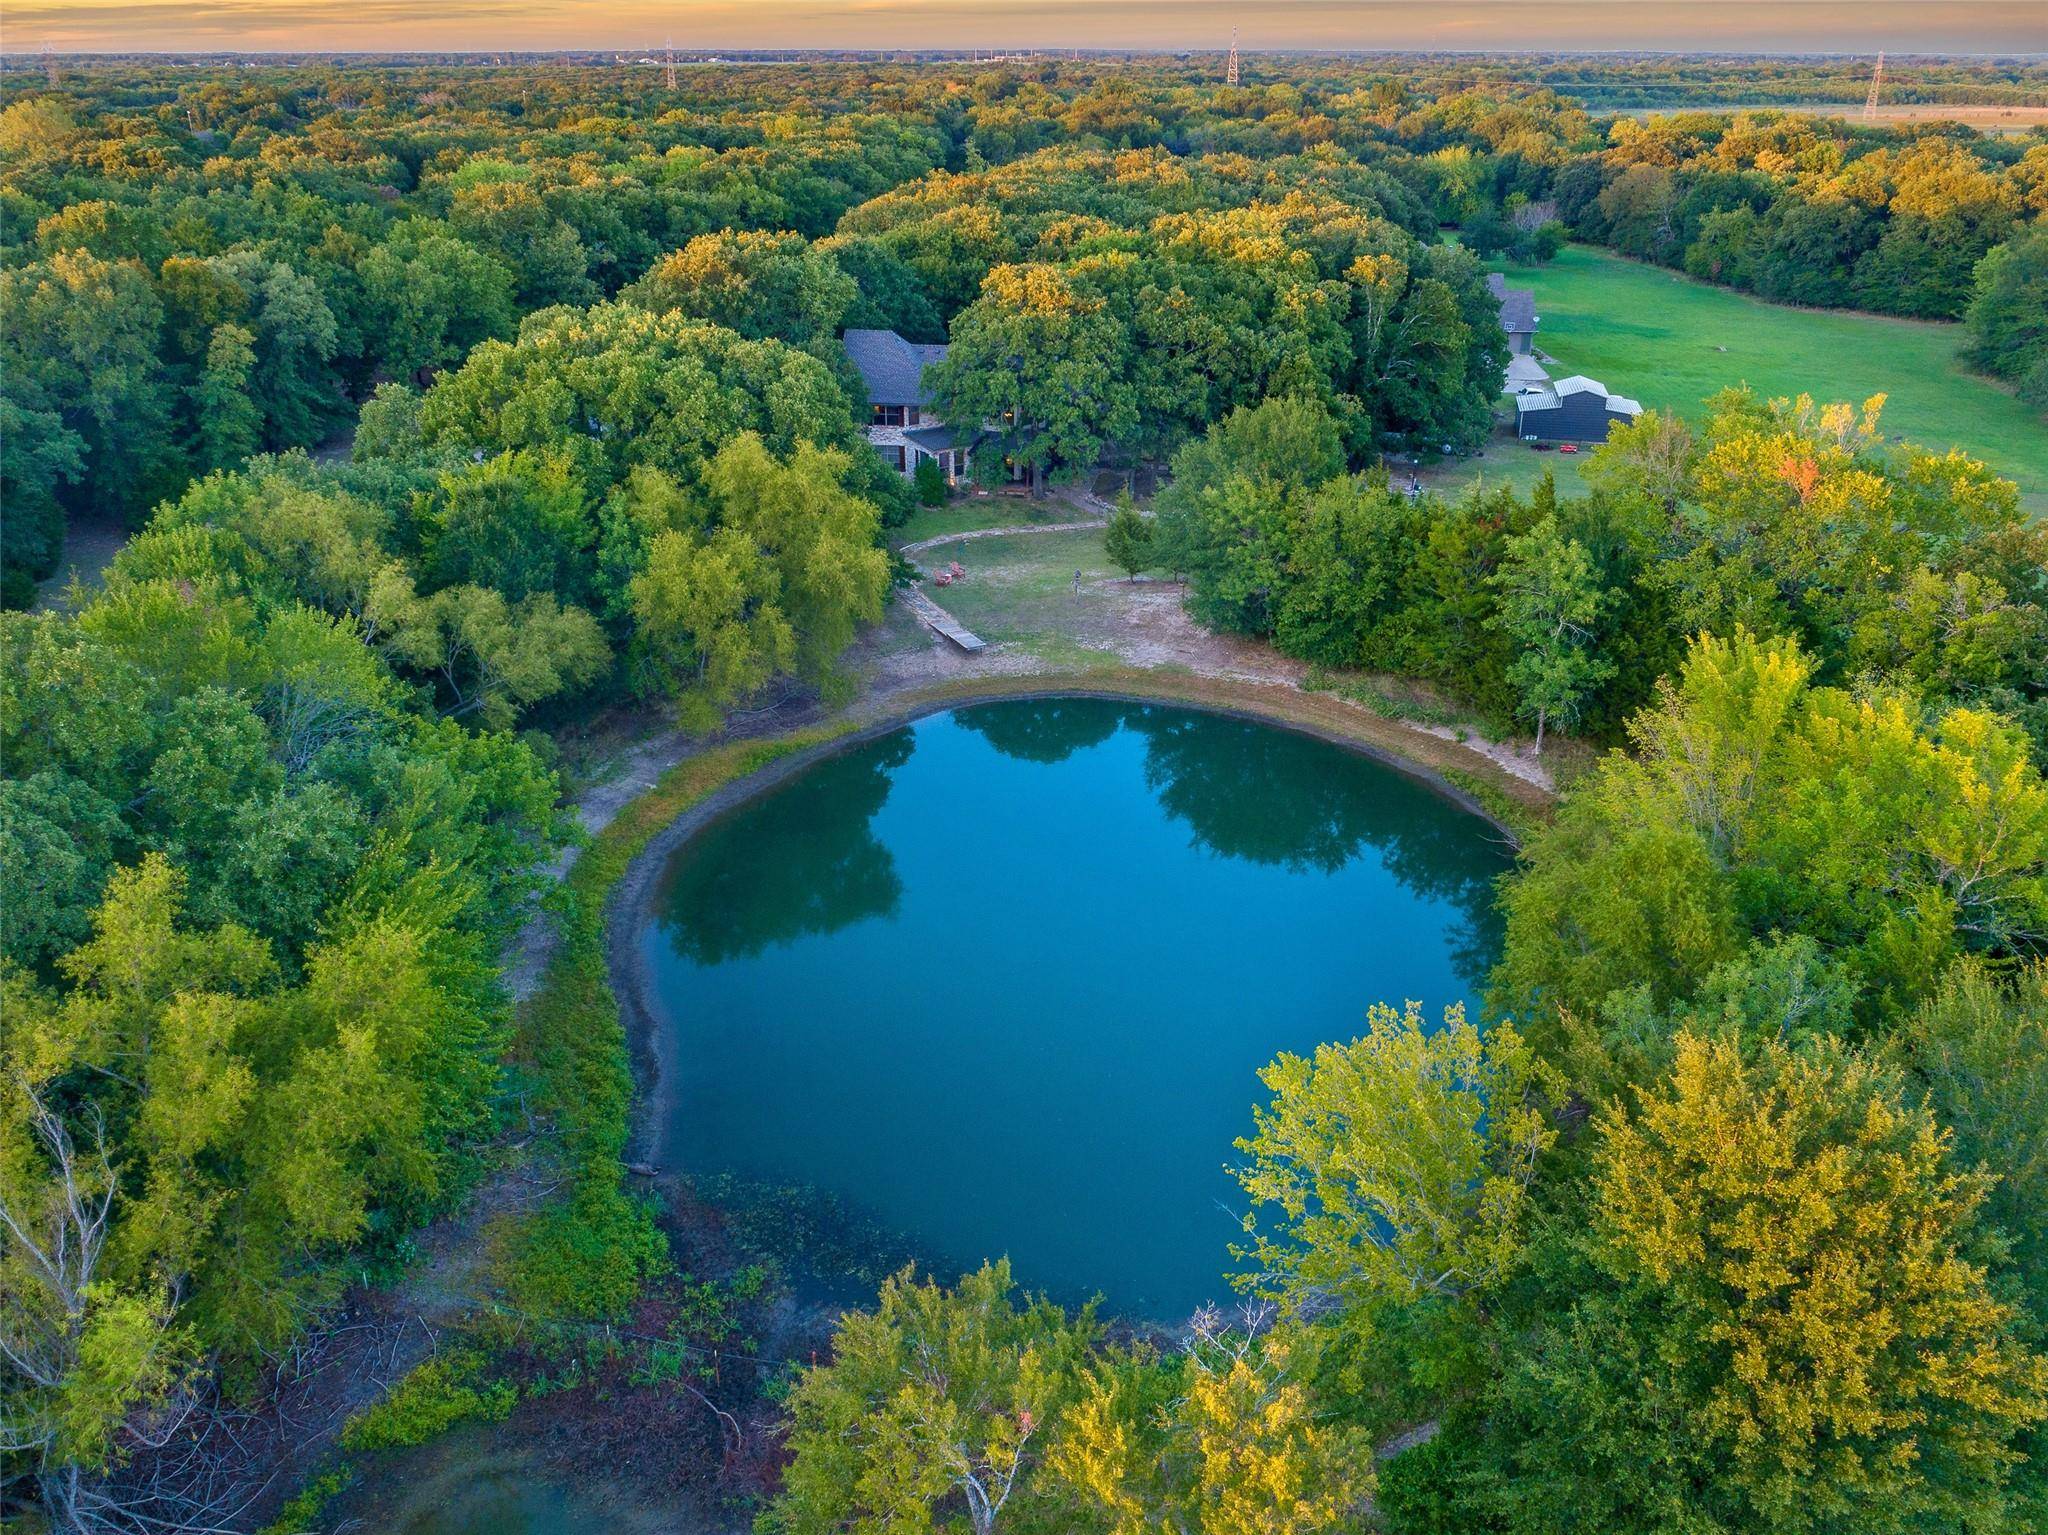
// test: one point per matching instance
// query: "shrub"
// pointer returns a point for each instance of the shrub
(433, 1398)
(929, 483)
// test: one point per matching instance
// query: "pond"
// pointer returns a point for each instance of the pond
(1001, 981)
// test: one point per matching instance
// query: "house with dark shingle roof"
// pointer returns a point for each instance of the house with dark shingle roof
(1517, 313)
(901, 424)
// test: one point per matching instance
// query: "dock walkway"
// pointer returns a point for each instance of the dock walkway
(940, 621)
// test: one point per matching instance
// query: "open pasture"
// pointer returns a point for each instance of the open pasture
(1671, 341)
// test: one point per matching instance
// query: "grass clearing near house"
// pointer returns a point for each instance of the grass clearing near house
(1670, 341)
(1022, 587)
(1507, 461)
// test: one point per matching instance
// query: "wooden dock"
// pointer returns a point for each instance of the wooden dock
(940, 621)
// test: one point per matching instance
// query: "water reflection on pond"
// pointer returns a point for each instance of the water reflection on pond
(1001, 980)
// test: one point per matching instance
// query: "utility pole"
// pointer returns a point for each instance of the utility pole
(1876, 84)
(1230, 71)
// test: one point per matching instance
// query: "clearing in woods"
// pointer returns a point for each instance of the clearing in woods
(1670, 341)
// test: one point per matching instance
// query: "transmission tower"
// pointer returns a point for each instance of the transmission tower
(1876, 85)
(1230, 70)
(668, 61)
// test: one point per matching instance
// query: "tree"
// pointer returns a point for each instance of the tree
(80, 342)
(1979, 1049)
(1222, 519)
(512, 222)
(493, 657)
(515, 523)
(1398, 1165)
(1549, 600)
(621, 388)
(1047, 363)
(39, 455)
(90, 1361)
(936, 1400)
(1216, 1441)
(230, 424)
(763, 284)
(777, 582)
(1929, 842)
(2008, 314)
(432, 297)
(295, 337)
(57, 842)
(1128, 538)
(1782, 1322)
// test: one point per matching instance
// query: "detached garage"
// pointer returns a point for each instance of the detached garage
(1575, 409)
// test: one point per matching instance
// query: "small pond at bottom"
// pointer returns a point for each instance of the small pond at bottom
(1002, 980)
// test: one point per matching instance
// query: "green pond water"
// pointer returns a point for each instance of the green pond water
(1001, 981)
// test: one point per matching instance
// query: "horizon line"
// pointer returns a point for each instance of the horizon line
(1098, 50)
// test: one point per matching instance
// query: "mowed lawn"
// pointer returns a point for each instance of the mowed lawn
(1021, 587)
(1670, 341)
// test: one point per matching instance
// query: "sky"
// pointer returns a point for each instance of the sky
(1834, 26)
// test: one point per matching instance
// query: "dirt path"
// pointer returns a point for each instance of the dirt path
(1028, 527)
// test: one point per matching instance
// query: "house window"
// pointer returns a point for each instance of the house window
(888, 415)
(910, 415)
(898, 450)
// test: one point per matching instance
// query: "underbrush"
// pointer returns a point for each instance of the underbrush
(1387, 703)
(432, 1398)
(587, 1252)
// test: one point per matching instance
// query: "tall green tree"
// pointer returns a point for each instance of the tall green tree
(230, 423)
(1046, 365)
(1394, 1170)
(775, 582)
(2008, 314)
(1128, 538)
(1549, 599)
(80, 342)
(765, 285)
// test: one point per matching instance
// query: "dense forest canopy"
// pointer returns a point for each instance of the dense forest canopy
(202, 264)
(444, 405)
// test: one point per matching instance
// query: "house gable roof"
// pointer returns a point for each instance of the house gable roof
(1517, 305)
(892, 368)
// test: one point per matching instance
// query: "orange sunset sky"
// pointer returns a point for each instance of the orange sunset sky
(1932, 26)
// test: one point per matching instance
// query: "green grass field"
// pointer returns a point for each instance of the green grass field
(1670, 342)
(1022, 587)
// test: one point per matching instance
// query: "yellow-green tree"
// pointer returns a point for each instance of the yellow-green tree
(935, 1410)
(1212, 1442)
(1398, 1165)
(775, 583)
(1783, 1321)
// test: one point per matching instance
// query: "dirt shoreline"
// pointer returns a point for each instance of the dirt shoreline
(627, 971)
